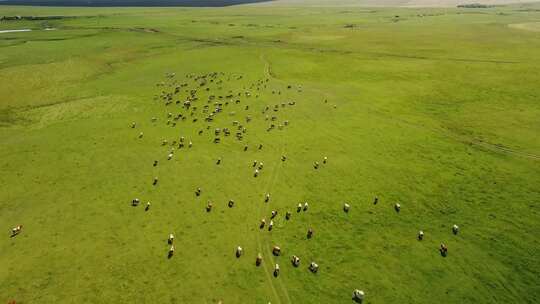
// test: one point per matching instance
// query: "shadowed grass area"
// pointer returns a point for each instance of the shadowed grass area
(434, 109)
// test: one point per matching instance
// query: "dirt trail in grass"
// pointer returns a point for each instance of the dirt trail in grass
(273, 181)
(498, 148)
(267, 256)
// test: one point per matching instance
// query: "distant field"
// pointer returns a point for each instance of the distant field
(435, 109)
(302, 3)
(145, 3)
(391, 3)
(530, 26)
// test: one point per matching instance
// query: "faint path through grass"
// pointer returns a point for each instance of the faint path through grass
(267, 256)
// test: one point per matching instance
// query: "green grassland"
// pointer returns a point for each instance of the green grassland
(436, 109)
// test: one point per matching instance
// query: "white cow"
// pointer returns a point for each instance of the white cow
(295, 261)
(16, 230)
(314, 267)
(358, 296)
(455, 229)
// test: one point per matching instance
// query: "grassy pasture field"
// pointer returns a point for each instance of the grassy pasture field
(436, 109)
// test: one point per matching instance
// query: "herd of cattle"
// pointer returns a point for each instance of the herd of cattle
(190, 100)
(193, 101)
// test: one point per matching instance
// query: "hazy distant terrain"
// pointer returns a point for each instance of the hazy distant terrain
(393, 3)
(146, 3)
(217, 3)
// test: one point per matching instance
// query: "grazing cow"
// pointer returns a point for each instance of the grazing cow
(306, 206)
(443, 249)
(239, 251)
(135, 202)
(155, 181)
(358, 296)
(155, 163)
(288, 215)
(283, 158)
(258, 261)
(133, 125)
(16, 230)
(274, 213)
(420, 235)
(310, 233)
(198, 192)
(147, 206)
(231, 203)
(170, 240)
(313, 267)
(263, 222)
(141, 135)
(256, 173)
(271, 225)
(267, 197)
(346, 207)
(190, 144)
(295, 261)
(325, 159)
(316, 165)
(255, 163)
(375, 201)
(245, 148)
(455, 229)
(164, 142)
(276, 251)
(261, 165)
(397, 207)
(276, 270)
(260, 146)
(299, 208)
(171, 251)
(169, 156)
(208, 206)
